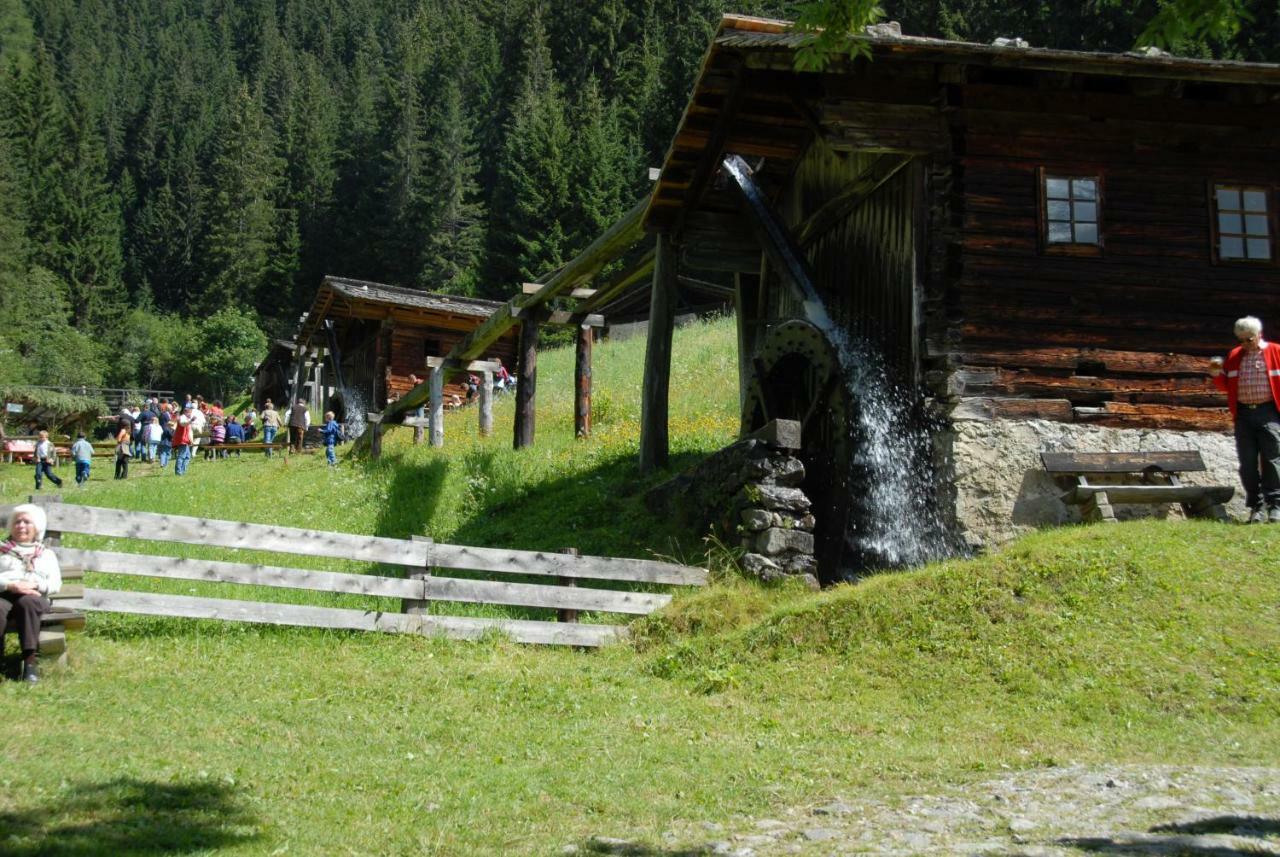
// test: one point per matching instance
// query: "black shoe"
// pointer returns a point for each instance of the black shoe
(1257, 515)
(30, 673)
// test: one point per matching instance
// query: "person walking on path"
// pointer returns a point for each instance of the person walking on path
(46, 457)
(332, 433)
(270, 424)
(299, 422)
(1250, 376)
(82, 454)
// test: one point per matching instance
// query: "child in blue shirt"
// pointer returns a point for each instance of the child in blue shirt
(332, 433)
(82, 452)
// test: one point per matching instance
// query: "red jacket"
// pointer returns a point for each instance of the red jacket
(1229, 380)
(181, 436)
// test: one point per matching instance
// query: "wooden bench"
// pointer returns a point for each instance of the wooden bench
(55, 624)
(1134, 477)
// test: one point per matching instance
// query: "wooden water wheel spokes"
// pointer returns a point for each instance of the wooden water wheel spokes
(797, 375)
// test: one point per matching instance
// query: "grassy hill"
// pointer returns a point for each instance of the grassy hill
(1144, 642)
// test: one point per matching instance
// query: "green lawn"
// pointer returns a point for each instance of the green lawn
(1150, 641)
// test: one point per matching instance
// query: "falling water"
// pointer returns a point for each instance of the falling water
(356, 408)
(896, 520)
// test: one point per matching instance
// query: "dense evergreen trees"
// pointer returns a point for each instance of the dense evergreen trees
(163, 162)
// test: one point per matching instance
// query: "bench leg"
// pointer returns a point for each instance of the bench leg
(1204, 509)
(53, 645)
(1097, 509)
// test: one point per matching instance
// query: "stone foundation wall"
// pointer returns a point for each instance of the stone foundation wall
(1001, 490)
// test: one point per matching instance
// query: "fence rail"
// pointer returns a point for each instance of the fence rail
(425, 582)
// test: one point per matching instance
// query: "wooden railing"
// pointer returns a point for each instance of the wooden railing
(568, 588)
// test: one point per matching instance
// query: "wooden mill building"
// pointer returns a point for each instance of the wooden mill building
(1018, 233)
(368, 338)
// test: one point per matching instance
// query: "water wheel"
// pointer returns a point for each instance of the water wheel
(797, 375)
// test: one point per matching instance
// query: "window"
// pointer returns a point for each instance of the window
(1071, 210)
(1242, 223)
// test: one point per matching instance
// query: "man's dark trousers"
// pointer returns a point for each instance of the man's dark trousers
(1258, 445)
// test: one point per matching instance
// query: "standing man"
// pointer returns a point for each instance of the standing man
(46, 458)
(299, 422)
(1251, 378)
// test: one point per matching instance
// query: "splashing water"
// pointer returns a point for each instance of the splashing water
(356, 408)
(896, 521)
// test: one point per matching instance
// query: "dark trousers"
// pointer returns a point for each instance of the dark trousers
(43, 469)
(24, 612)
(122, 466)
(1258, 445)
(296, 434)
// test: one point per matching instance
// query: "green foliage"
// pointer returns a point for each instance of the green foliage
(834, 25)
(222, 354)
(60, 413)
(1182, 21)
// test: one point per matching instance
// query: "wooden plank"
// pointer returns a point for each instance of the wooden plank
(842, 204)
(657, 358)
(234, 534)
(456, 627)
(432, 588)
(1174, 461)
(990, 408)
(1155, 493)
(461, 366)
(506, 561)
(577, 294)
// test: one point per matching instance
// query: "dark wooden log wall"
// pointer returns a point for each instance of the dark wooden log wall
(1120, 338)
(409, 347)
(864, 265)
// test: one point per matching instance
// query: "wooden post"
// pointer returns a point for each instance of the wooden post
(582, 383)
(526, 383)
(417, 433)
(486, 405)
(565, 614)
(746, 288)
(657, 358)
(437, 406)
(375, 436)
(411, 605)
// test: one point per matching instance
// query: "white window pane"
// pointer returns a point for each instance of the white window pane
(1255, 224)
(1059, 233)
(1087, 212)
(1231, 248)
(1057, 189)
(1228, 198)
(1059, 209)
(1255, 200)
(1085, 189)
(1086, 233)
(1230, 223)
(1259, 248)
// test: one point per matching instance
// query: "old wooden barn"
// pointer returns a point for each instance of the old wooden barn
(1019, 236)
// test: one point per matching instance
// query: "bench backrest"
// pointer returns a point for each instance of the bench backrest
(1177, 461)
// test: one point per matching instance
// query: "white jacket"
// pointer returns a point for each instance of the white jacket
(45, 571)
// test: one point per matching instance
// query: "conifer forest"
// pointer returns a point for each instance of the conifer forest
(177, 175)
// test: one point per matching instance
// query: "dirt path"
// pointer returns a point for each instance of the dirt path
(1118, 810)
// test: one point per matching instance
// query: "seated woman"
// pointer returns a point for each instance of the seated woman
(29, 574)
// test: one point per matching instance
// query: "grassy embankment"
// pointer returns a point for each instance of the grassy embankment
(1139, 642)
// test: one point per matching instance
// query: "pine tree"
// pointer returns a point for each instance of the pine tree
(243, 221)
(600, 188)
(534, 203)
(455, 234)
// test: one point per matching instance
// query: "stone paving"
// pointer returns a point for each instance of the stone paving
(1053, 812)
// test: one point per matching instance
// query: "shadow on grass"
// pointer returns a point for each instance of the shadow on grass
(1237, 825)
(412, 499)
(624, 848)
(1206, 837)
(127, 817)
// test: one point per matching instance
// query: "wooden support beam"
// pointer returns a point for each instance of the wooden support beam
(619, 284)
(840, 206)
(375, 435)
(454, 366)
(560, 317)
(437, 407)
(582, 383)
(486, 405)
(578, 294)
(745, 300)
(657, 358)
(526, 384)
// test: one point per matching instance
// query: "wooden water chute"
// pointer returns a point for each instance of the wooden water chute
(1010, 232)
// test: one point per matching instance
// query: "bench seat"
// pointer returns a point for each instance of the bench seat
(1134, 478)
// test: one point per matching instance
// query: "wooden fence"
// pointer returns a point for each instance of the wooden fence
(567, 590)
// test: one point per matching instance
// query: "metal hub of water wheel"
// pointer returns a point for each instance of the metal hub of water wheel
(797, 375)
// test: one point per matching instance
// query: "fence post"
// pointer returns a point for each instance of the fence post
(486, 405)
(437, 406)
(564, 614)
(375, 435)
(412, 605)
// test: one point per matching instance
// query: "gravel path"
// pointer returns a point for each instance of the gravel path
(1054, 812)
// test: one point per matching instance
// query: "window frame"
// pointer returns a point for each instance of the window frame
(1063, 248)
(1215, 236)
